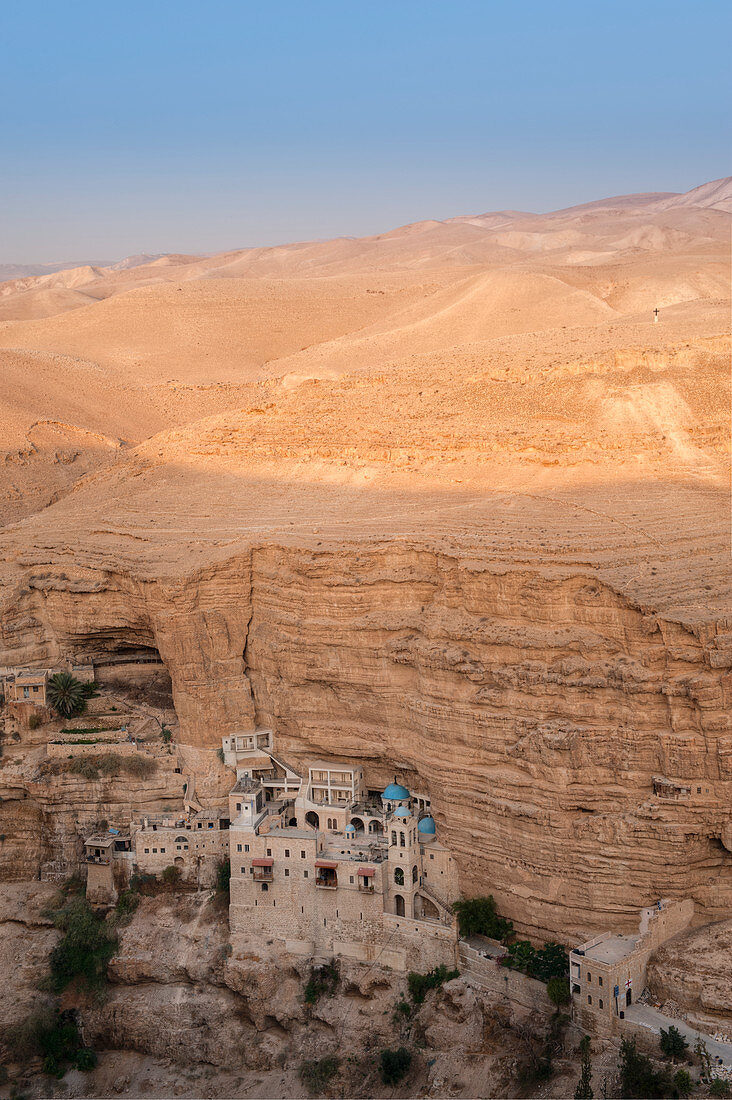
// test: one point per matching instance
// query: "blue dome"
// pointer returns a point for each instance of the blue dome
(395, 792)
(350, 828)
(402, 811)
(427, 825)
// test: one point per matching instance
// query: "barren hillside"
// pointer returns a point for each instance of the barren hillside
(448, 499)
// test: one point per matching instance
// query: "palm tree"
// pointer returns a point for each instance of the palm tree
(66, 694)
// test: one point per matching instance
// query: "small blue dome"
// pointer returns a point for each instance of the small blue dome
(402, 811)
(350, 828)
(395, 792)
(427, 825)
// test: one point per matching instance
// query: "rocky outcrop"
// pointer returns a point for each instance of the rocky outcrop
(694, 970)
(535, 706)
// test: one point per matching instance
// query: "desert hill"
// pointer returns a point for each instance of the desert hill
(451, 499)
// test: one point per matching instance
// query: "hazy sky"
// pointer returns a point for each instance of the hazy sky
(153, 125)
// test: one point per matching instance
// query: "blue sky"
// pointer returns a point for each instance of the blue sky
(185, 126)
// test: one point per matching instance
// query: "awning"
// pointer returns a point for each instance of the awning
(367, 872)
(326, 865)
(262, 862)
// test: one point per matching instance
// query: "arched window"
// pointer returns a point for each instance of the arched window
(399, 876)
(402, 841)
(414, 873)
(393, 836)
(181, 839)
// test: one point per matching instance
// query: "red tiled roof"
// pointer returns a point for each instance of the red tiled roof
(262, 862)
(367, 871)
(326, 864)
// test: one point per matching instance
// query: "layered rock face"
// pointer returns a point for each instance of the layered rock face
(534, 705)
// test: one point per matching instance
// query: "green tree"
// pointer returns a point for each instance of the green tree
(478, 917)
(66, 694)
(673, 1043)
(550, 961)
(682, 1082)
(719, 1087)
(557, 990)
(584, 1085)
(521, 956)
(638, 1079)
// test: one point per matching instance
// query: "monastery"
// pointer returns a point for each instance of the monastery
(321, 866)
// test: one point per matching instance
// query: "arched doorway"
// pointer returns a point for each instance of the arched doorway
(312, 818)
(424, 909)
(358, 824)
(399, 905)
(376, 827)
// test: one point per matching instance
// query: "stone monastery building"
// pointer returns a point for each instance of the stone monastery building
(327, 867)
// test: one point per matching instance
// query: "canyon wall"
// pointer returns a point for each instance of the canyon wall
(535, 706)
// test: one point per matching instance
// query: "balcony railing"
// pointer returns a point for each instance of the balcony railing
(329, 883)
(263, 874)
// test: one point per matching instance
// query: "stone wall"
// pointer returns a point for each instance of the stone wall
(516, 987)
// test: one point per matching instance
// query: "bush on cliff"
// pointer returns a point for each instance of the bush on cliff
(84, 950)
(638, 1078)
(557, 990)
(323, 980)
(316, 1075)
(394, 1065)
(54, 1037)
(223, 876)
(420, 984)
(478, 917)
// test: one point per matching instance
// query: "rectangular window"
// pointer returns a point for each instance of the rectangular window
(432, 855)
(238, 847)
(287, 872)
(599, 980)
(147, 851)
(302, 855)
(589, 976)
(246, 847)
(163, 851)
(304, 874)
(269, 851)
(350, 878)
(238, 806)
(243, 870)
(589, 1000)
(155, 851)
(287, 853)
(601, 1002)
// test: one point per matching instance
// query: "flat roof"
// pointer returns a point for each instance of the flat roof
(612, 949)
(330, 766)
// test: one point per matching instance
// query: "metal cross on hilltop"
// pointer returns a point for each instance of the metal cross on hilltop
(655, 316)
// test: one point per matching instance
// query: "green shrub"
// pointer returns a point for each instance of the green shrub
(478, 917)
(315, 1076)
(86, 1059)
(35, 721)
(719, 1087)
(52, 1036)
(127, 903)
(682, 1082)
(166, 735)
(220, 753)
(557, 990)
(171, 875)
(85, 948)
(143, 883)
(223, 876)
(323, 980)
(420, 984)
(83, 766)
(394, 1065)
